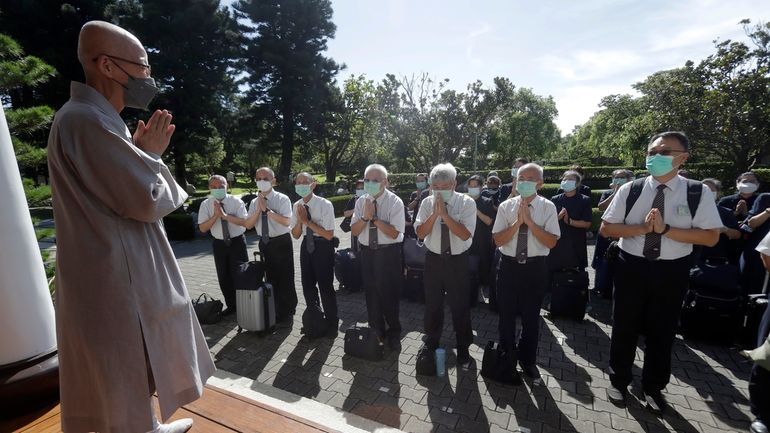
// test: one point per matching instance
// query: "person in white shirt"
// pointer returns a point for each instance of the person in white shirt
(447, 220)
(525, 230)
(313, 218)
(378, 220)
(270, 213)
(653, 268)
(759, 381)
(229, 243)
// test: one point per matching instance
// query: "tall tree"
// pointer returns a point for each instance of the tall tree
(288, 76)
(19, 73)
(192, 45)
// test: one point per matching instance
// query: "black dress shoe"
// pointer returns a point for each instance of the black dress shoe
(394, 343)
(758, 426)
(656, 402)
(530, 370)
(228, 311)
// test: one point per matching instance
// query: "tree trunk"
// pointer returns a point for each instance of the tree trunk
(287, 143)
(180, 169)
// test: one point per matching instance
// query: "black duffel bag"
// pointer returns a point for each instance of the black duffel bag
(362, 342)
(500, 365)
(207, 309)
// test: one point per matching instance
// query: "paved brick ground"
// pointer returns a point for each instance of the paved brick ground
(708, 390)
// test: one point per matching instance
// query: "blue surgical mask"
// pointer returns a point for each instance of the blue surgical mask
(526, 188)
(372, 188)
(219, 193)
(421, 185)
(360, 192)
(446, 194)
(568, 185)
(474, 191)
(302, 190)
(659, 165)
(618, 181)
(514, 172)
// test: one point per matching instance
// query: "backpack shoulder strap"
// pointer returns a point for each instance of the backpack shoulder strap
(694, 191)
(633, 195)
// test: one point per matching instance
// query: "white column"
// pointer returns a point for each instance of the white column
(27, 326)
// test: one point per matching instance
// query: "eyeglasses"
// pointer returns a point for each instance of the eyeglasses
(148, 67)
(664, 152)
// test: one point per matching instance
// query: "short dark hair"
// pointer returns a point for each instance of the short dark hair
(494, 179)
(673, 134)
(624, 171)
(421, 175)
(684, 173)
(717, 184)
(748, 173)
(578, 168)
(521, 160)
(476, 178)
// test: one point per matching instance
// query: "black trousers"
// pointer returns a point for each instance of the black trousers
(647, 300)
(227, 260)
(520, 290)
(759, 381)
(279, 271)
(447, 274)
(382, 279)
(318, 277)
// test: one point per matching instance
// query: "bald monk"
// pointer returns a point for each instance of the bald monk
(125, 324)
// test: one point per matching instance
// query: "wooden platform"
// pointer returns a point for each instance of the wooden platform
(217, 411)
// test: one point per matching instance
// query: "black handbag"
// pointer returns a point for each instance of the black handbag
(345, 225)
(362, 342)
(613, 251)
(426, 362)
(207, 309)
(499, 365)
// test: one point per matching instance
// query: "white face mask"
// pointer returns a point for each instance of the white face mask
(514, 172)
(264, 185)
(747, 187)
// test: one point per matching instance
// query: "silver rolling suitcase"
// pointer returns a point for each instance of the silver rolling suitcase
(254, 298)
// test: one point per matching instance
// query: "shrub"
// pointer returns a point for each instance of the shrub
(195, 205)
(37, 195)
(339, 202)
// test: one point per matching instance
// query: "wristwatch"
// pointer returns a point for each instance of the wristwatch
(665, 230)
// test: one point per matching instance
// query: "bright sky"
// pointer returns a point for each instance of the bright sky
(576, 51)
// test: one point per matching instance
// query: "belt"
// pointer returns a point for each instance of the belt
(380, 247)
(512, 259)
(280, 236)
(464, 253)
(634, 258)
(231, 238)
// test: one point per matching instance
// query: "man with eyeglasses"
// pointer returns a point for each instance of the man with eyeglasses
(447, 221)
(270, 212)
(125, 325)
(379, 221)
(656, 234)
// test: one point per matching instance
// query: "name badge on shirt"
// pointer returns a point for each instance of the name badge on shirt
(683, 210)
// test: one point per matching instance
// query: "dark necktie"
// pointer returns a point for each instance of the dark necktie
(225, 229)
(309, 238)
(521, 244)
(652, 240)
(374, 242)
(265, 231)
(446, 244)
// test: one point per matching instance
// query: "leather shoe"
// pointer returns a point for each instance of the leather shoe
(616, 395)
(228, 311)
(530, 371)
(758, 426)
(656, 402)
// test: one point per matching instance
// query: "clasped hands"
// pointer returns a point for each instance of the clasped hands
(523, 216)
(155, 135)
(653, 222)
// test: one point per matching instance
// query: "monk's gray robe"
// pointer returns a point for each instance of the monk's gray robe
(120, 293)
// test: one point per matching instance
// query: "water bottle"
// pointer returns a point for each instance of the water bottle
(440, 362)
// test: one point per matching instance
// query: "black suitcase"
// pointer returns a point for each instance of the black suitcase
(314, 322)
(712, 316)
(362, 342)
(347, 269)
(756, 305)
(426, 362)
(413, 285)
(569, 293)
(499, 365)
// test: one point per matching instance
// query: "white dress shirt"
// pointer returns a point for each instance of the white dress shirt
(461, 208)
(278, 203)
(390, 209)
(676, 213)
(232, 206)
(542, 212)
(321, 213)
